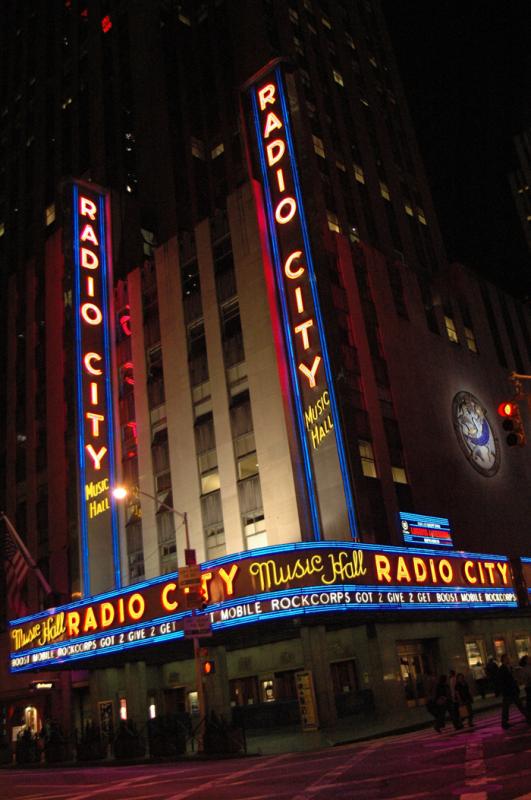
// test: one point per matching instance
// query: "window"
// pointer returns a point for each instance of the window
(470, 340)
(255, 531)
(135, 550)
(421, 216)
(50, 214)
(408, 209)
(358, 173)
(333, 222)
(213, 525)
(399, 474)
(217, 151)
(384, 191)
(166, 536)
(451, 331)
(338, 77)
(521, 644)
(368, 464)
(318, 146)
(198, 148)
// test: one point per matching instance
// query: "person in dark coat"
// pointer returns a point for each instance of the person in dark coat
(525, 666)
(510, 691)
(441, 702)
(464, 699)
(492, 675)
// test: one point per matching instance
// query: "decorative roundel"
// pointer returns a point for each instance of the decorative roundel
(476, 438)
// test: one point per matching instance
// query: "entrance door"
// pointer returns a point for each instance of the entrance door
(416, 661)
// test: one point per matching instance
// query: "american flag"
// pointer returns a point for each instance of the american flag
(16, 570)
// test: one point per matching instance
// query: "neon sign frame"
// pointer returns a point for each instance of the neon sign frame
(293, 367)
(351, 594)
(82, 197)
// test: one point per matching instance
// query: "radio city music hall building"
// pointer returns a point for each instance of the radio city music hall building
(256, 324)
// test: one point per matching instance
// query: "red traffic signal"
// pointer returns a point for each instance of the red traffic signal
(512, 423)
(508, 409)
(208, 667)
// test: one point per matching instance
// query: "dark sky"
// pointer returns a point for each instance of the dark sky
(466, 70)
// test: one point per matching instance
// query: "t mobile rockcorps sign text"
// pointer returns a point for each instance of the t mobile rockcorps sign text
(92, 289)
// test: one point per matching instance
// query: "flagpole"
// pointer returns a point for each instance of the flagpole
(26, 553)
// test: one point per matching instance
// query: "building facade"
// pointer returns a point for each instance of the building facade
(290, 357)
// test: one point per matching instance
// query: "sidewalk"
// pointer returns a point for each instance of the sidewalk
(349, 729)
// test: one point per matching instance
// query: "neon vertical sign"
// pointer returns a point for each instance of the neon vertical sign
(96, 462)
(314, 400)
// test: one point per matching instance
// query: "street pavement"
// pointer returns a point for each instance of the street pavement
(484, 763)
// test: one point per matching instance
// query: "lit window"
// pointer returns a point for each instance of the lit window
(210, 482)
(341, 166)
(50, 214)
(373, 61)
(384, 191)
(247, 466)
(326, 22)
(338, 77)
(106, 24)
(198, 148)
(399, 474)
(293, 15)
(358, 173)
(318, 146)
(333, 222)
(471, 340)
(451, 331)
(368, 464)
(217, 151)
(421, 216)
(364, 101)
(308, 6)
(152, 708)
(129, 188)
(185, 20)
(408, 210)
(66, 103)
(350, 41)
(354, 234)
(2, 228)
(298, 45)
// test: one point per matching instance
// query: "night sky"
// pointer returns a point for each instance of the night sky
(466, 70)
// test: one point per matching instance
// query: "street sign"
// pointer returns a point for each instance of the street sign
(197, 626)
(190, 577)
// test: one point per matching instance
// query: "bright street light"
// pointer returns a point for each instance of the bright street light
(122, 492)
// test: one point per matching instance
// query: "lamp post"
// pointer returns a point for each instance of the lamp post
(120, 493)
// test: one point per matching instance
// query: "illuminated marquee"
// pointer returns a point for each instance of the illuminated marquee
(92, 280)
(272, 583)
(313, 398)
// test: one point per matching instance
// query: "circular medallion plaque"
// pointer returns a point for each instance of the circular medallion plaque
(474, 434)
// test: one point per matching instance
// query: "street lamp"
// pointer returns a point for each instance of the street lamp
(121, 492)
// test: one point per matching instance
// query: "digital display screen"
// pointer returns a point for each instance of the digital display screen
(420, 529)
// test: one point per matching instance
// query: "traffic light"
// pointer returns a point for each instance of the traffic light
(208, 667)
(196, 599)
(512, 423)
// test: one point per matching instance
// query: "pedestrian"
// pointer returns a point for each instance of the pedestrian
(525, 671)
(464, 700)
(440, 702)
(510, 691)
(453, 707)
(491, 671)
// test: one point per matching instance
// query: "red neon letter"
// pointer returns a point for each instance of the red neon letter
(310, 373)
(106, 614)
(91, 314)
(87, 361)
(303, 328)
(280, 180)
(468, 567)
(267, 95)
(96, 457)
(287, 266)
(94, 393)
(88, 235)
(72, 623)
(275, 150)
(272, 123)
(283, 217)
(89, 260)
(96, 419)
(87, 208)
(383, 568)
(136, 606)
(90, 286)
